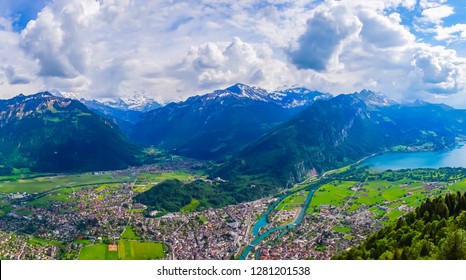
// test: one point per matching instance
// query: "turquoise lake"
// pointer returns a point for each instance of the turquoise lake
(455, 157)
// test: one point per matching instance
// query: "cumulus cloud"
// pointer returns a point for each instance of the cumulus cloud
(383, 31)
(432, 18)
(381, 55)
(452, 33)
(436, 14)
(17, 70)
(13, 77)
(173, 49)
(437, 71)
(324, 38)
(58, 40)
(220, 64)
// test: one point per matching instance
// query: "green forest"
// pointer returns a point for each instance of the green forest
(173, 195)
(435, 230)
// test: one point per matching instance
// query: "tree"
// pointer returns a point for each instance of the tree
(454, 246)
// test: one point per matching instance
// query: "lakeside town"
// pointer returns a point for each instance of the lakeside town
(99, 214)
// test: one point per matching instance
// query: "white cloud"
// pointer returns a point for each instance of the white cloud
(173, 49)
(216, 65)
(438, 73)
(450, 34)
(17, 70)
(327, 32)
(427, 4)
(381, 55)
(437, 14)
(383, 31)
(432, 18)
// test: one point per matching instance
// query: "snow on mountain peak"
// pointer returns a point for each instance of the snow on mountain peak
(375, 98)
(287, 98)
(136, 102)
(58, 93)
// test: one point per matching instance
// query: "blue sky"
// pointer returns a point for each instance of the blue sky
(170, 50)
(21, 11)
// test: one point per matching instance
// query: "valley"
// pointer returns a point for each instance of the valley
(94, 215)
(239, 173)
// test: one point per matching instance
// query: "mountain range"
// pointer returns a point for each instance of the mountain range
(269, 138)
(124, 112)
(55, 134)
(336, 132)
(220, 123)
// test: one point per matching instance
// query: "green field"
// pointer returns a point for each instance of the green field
(134, 250)
(102, 187)
(135, 210)
(127, 250)
(394, 214)
(5, 208)
(343, 230)
(148, 180)
(97, 252)
(41, 241)
(23, 212)
(191, 207)
(293, 201)
(42, 184)
(460, 186)
(129, 234)
(202, 218)
(379, 192)
(336, 193)
(83, 241)
(62, 195)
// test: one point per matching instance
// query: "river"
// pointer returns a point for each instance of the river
(455, 157)
(262, 222)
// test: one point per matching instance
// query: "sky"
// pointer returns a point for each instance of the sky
(170, 50)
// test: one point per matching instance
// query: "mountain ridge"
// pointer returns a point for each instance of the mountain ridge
(55, 134)
(334, 133)
(216, 124)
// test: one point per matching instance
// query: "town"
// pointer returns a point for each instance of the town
(59, 224)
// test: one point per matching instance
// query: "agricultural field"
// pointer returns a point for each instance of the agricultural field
(146, 181)
(335, 193)
(62, 195)
(40, 241)
(97, 252)
(123, 250)
(459, 186)
(42, 184)
(293, 201)
(381, 197)
(134, 250)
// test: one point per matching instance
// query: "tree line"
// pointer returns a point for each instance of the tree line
(435, 230)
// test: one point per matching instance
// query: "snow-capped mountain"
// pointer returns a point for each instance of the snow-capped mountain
(58, 93)
(137, 102)
(49, 133)
(213, 125)
(297, 97)
(375, 98)
(124, 112)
